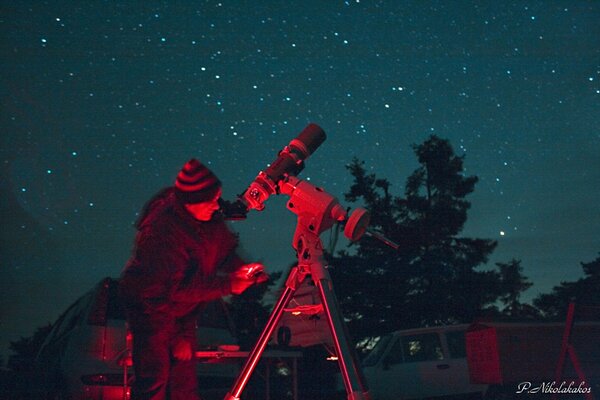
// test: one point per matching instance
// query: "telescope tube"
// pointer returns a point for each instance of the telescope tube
(290, 161)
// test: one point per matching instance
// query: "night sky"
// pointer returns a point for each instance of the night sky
(103, 102)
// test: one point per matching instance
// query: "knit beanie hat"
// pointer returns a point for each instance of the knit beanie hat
(195, 183)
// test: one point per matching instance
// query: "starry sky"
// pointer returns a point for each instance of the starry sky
(102, 103)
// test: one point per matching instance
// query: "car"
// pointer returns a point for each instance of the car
(535, 356)
(421, 363)
(86, 355)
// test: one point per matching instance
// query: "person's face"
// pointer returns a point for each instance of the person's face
(205, 210)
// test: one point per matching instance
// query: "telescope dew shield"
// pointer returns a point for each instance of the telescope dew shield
(290, 161)
(309, 139)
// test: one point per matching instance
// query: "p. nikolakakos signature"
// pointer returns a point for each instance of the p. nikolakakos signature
(554, 388)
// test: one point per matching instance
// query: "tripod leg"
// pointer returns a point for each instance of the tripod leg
(259, 347)
(352, 376)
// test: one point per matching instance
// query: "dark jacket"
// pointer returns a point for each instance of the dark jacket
(177, 264)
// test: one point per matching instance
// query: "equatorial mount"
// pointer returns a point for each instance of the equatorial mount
(317, 211)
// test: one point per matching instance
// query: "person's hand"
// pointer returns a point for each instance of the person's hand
(246, 276)
(182, 350)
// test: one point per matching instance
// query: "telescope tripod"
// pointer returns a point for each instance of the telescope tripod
(317, 211)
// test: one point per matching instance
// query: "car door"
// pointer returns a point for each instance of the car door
(458, 377)
(413, 368)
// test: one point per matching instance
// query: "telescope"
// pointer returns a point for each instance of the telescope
(317, 211)
(289, 162)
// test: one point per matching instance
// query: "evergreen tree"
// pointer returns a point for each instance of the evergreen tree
(585, 292)
(23, 378)
(513, 284)
(433, 278)
(25, 350)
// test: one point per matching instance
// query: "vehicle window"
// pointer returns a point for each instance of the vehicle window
(97, 314)
(395, 355)
(69, 319)
(59, 325)
(114, 308)
(377, 352)
(424, 347)
(106, 304)
(456, 344)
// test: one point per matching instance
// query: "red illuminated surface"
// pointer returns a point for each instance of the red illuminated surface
(482, 355)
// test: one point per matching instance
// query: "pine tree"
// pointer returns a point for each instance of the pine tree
(434, 277)
(514, 283)
(585, 292)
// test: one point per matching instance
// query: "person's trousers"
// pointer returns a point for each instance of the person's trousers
(158, 376)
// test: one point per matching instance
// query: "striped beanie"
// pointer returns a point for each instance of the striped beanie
(195, 183)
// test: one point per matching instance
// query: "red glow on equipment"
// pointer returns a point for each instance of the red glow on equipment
(310, 309)
(317, 211)
(102, 380)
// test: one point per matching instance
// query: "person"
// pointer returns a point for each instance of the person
(184, 256)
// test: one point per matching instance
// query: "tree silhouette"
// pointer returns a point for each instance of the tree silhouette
(513, 284)
(434, 277)
(22, 378)
(25, 349)
(584, 292)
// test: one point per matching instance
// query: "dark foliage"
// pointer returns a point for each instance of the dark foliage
(26, 349)
(585, 292)
(513, 283)
(21, 379)
(435, 276)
